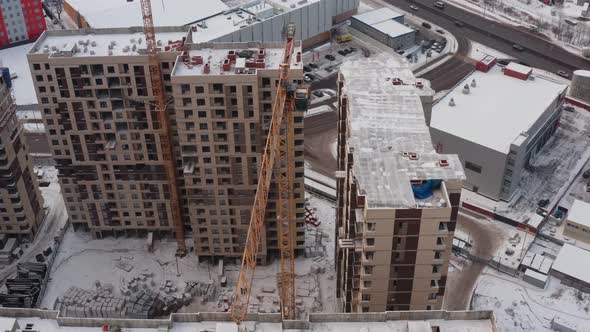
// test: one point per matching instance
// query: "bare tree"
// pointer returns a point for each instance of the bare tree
(58, 7)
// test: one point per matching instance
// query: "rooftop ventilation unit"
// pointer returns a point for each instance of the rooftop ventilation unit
(473, 83)
(452, 102)
(466, 89)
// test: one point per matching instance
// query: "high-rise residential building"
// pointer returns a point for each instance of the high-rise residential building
(21, 203)
(397, 198)
(95, 93)
(20, 21)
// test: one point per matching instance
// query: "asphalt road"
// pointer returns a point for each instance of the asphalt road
(539, 53)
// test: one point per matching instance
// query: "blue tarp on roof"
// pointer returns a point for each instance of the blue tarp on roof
(424, 190)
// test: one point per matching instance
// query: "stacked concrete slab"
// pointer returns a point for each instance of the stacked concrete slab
(82, 303)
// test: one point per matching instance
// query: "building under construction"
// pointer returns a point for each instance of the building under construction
(397, 198)
(21, 203)
(95, 92)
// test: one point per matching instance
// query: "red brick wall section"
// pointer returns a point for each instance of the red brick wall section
(3, 34)
(578, 103)
(479, 210)
(34, 18)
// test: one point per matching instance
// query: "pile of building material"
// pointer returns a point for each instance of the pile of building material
(145, 304)
(82, 303)
(23, 291)
(9, 249)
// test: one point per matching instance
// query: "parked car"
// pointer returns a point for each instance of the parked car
(563, 74)
(342, 52)
(330, 57)
(518, 47)
(426, 25)
(502, 62)
(459, 24)
(318, 94)
(586, 174)
(313, 65)
(588, 187)
(400, 52)
(568, 108)
(306, 69)
(439, 4)
(413, 7)
(308, 77)
(544, 202)
(442, 32)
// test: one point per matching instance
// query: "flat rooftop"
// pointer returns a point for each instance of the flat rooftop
(572, 261)
(579, 213)
(221, 24)
(378, 16)
(497, 110)
(121, 13)
(216, 53)
(393, 28)
(102, 42)
(387, 121)
(289, 4)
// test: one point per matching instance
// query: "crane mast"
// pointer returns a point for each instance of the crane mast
(164, 123)
(279, 148)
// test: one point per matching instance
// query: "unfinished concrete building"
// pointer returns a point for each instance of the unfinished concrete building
(21, 203)
(94, 90)
(397, 198)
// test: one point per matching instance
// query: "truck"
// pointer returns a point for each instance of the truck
(343, 39)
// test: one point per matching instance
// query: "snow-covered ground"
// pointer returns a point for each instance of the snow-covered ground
(551, 172)
(478, 51)
(81, 261)
(15, 58)
(535, 15)
(519, 306)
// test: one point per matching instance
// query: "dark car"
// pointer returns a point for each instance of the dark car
(544, 202)
(330, 57)
(459, 24)
(586, 174)
(518, 47)
(426, 25)
(563, 74)
(318, 93)
(342, 52)
(503, 62)
(568, 108)
(306, 69)
(401, 52)
(313, 65)
(440, 31)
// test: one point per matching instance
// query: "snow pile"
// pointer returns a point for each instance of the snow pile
(522, 307)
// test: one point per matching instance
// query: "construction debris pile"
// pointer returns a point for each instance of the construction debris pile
(139, 299)
(24, 290)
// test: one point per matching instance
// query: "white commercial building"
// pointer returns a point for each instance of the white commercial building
(386, 26)
(260, 21)
(572, 268)
(577, 225)
(496, 122)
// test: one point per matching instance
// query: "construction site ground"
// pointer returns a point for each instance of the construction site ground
(519, 306)
(113, 263)
(489, 239)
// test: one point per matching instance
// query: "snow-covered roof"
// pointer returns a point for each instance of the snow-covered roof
(393, 28)
(102, 42)
(220, 25)
(377, 16)
(581, 72)
(572, 261)
(497, 110)
(216, 53)
(121, 13)
(536, 275)
(387, 121)
(579, 213)
(290, 4)
(517, 67)
(15, 58)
